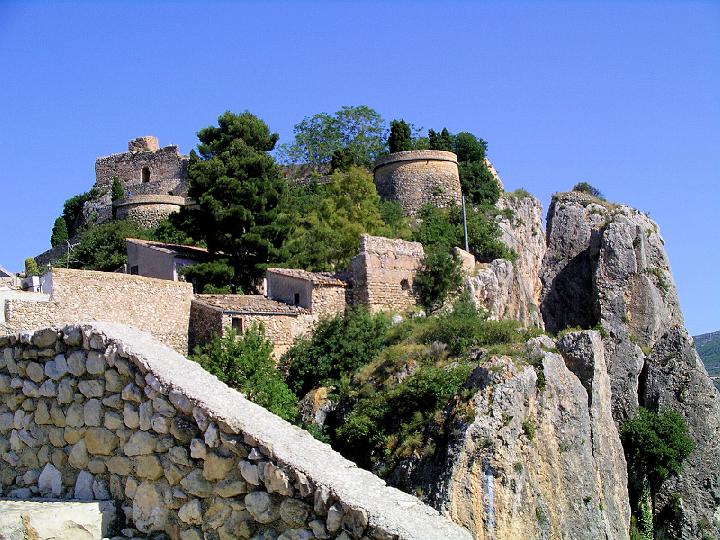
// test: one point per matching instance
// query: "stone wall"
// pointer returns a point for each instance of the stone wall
(163, 164)
(418, 177)
(383, 273)
(160, 306)
(104, 412)
(147, 210)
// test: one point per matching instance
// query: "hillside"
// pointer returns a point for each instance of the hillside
(708, 347)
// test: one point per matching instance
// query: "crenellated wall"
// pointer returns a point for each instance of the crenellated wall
(102, 411)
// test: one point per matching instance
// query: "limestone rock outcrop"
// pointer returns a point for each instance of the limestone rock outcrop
(542, 457)
(511, 290)
(606, 267)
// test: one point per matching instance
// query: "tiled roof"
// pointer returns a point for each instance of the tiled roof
(323, 279)
(249, 304)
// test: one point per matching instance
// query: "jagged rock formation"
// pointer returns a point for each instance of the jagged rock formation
(511, 290)
(606, 266)
(542, 457)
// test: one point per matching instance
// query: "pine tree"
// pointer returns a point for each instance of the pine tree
(59, 232)
(400, 138)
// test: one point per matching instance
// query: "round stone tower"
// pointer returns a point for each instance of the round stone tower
(417, 177)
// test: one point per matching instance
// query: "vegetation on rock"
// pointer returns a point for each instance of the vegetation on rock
(59, 232)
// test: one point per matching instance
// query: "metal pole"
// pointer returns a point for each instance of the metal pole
(467, 248)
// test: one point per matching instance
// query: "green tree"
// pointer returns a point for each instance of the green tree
(440, 141)
(206, 276)
(245, 362)
(31, 267)
(72, 210)
(359, 130)
(102, 247)
(655, 445)
(478, 183)
(117, 192)
(439, 276)
(326, 238)
(468, 147)
(400, 138)
(338, 346)
(59, 232)
(239, 191)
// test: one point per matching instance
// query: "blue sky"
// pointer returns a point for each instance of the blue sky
(625, 96)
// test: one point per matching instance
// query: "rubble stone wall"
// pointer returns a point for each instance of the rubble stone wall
(383, 273)
(148, 210)
(417, 177)
(164, 164)
(101, 411)
(160, 306)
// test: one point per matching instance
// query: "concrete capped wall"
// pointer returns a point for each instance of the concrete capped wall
(417, 177)
(160, 306)
(103, 411)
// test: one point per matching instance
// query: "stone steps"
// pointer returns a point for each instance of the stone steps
(47, 519)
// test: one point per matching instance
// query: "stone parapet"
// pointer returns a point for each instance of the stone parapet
(147, 210)
(101, 411)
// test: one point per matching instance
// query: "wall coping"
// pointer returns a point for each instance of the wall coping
(415, 155)
(150, 199)
(388, 509)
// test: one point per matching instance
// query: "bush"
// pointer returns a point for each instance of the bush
(213, 277)
(338, 347)
(31, 267)
(245, 363)
(103, 247)
(59, 232)
(655, 444)
(467, 327)
(478, 183)
(117, 192)
(439, 276)
(584, 187)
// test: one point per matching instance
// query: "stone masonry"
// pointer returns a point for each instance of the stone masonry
(101, 411)
(417, 177)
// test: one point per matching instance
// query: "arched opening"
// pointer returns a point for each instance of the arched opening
(146, 174)
(405, 285)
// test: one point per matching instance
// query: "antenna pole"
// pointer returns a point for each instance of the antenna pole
(467, 248)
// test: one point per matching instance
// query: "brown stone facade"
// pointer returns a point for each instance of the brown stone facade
(383, 273)
(417, 177)
(321, 293)
(142, 164)
(159, 306)
(147, 210)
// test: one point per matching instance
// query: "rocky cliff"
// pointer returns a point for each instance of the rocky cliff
(542, 456)
(511, 290)
(606, 267)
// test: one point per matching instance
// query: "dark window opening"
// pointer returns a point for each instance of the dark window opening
(135, 270)
(297, 299)
(237, 324)
(405, 285)
(146, 174)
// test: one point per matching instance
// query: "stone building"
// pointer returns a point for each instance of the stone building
(383, 273)
(211, 315)
(154, 180)
(159, 259)
(417, 177)
(322, 293)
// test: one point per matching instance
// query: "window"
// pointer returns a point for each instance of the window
(135, 270)
(237, 324)
(146, 174)
(297, 298)
(405, 285)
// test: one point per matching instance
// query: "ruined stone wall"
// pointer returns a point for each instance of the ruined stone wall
(164, 164)
(328, 301)
(160, 306)
(383, 273)
(206, 322)
(281, 329)
(148, 210)
(417, 177)
(104, 412)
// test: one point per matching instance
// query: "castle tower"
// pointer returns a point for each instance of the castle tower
(417, 177)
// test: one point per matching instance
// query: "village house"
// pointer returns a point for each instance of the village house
(161, 260)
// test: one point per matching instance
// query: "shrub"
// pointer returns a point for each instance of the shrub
(213, 277)
(245, 363)
(584, 187)
(439, 276)
(31, 267)
(117, 192)
(338, 347)
(528, 427)
(103, 247)
(59, 232)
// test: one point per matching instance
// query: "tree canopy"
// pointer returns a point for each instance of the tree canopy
(400, 138)
(239, 191)
(358, 131)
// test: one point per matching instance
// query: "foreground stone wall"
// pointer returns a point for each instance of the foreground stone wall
(383, 273)
(417, 177)
(158, 305)
(101, 411)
